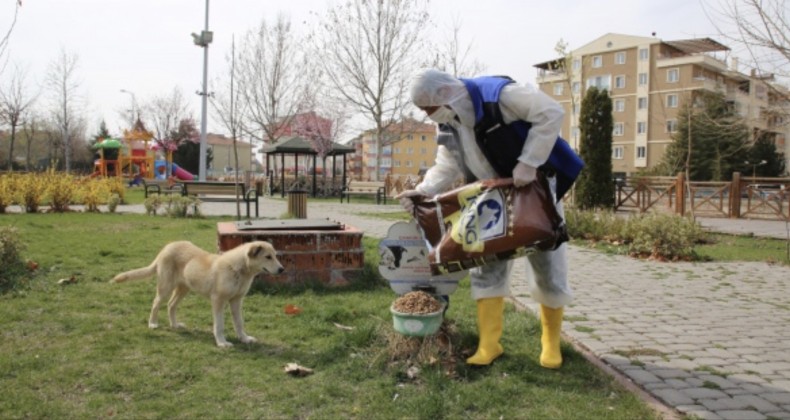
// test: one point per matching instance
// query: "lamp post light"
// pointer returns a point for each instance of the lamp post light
(755, 165)
(202, 40)
(135, 114)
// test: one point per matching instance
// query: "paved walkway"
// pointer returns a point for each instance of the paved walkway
(706, 339)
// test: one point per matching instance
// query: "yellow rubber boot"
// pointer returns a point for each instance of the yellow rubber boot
(551, 322)
(490, 316)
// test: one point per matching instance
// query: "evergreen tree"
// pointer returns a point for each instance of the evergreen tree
(187, 155)
(103, 133)
(595, 188)
(718, 139)
(764, 149)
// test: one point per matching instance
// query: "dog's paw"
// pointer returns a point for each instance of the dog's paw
(179, 325)
(224, 344)
(248, 339)
(153, 325)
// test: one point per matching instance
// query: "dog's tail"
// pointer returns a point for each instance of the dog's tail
(136, 274)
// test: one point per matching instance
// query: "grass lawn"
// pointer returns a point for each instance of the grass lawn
(84, 350)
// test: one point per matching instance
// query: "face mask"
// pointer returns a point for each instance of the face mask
(443, 115)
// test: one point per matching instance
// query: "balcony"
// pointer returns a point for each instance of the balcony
(701, 60)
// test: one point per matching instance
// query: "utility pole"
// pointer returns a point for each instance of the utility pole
(203, 40)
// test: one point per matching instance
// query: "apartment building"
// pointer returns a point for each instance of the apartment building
(408, 149)
(223, 159)
(649, 80)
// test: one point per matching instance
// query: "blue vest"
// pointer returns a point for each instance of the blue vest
(502, 143)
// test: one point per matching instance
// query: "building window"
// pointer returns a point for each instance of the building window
(423, 150)
(641, 152)
(597, 61)
(672, 101)
(423, 164)
(410, 151)
(617, 152)
(423, 138)
(577, 64)
(672, 126)
(396, 163)
(619, 58)
(618, 129)
(642, 79)
(601, 82)
(408, 164)
(642, 103)
(644, 54)
(673, 75)
(576, 87)
(396, 150)
(641, 127)
(576, 109)
(409, 136)
(619, 105)
(575, 133)
(558, 89)
(619, 82)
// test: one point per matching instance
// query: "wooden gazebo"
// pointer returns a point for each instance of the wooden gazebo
(297, 146)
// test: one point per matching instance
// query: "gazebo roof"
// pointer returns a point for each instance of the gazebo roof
(301, 145)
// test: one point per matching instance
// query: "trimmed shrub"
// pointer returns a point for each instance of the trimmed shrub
(12, 268)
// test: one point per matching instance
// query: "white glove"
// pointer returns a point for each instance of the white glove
(523, 174)
(406, 199)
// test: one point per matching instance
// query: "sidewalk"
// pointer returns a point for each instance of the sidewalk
(706, 339)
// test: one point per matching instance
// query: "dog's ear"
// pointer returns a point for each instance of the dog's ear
(254, 251)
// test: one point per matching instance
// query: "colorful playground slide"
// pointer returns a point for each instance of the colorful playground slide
(177, 171)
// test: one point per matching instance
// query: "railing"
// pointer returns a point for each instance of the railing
(743, 197)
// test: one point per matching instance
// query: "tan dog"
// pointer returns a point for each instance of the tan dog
(225, 278)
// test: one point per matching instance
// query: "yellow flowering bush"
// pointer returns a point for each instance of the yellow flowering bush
(31, 191)
(62, 190)
(6, 192)
(94, 192)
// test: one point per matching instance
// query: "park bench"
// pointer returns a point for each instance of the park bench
(161, 186)
(368, 188)
(222, 192)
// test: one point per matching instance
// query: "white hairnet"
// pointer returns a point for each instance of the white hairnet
(433, 87)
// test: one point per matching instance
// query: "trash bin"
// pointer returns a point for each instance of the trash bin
(297, 203)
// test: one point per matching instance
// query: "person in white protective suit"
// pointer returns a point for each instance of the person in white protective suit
(447, 101)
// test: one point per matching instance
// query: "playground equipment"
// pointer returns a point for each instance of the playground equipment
(160, 168)
(107, 162)
(137, 156)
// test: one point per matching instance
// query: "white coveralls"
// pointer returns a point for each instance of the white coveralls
(546, 270)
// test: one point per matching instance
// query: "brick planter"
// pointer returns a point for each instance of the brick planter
(333, 257)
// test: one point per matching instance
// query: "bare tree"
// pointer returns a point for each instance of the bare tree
(6, 37)
(31, 128)
(369, 51)
(15, 102)
(273, 79)
(62, 82)
(166, 113)
(455, 57)
(760, 27)
(230, 110)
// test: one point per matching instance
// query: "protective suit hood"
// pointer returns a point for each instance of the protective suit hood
(436, 88)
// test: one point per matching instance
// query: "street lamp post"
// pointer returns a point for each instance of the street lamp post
(135, 115)
(203, 39)
(755, 165)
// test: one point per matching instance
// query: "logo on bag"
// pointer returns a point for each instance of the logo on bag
(482, 218)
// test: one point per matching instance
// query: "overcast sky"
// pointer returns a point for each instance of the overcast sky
(145, 47)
